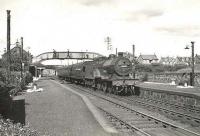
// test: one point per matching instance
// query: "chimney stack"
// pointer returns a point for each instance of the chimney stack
(8, 45)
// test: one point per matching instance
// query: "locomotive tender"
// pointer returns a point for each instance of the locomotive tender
(111, 74)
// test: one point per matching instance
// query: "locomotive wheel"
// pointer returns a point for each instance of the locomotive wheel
(132, 90)
(110, 89)
(86, 84)
(115, 90)
(94, 86)
(118, 90)
(98, 86)
(104, 87)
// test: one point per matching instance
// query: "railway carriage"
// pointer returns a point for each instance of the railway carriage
(64, 73)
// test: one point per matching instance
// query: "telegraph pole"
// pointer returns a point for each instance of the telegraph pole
(108, 42)
(8, 46)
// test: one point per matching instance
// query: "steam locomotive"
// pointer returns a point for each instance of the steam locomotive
(111, 74)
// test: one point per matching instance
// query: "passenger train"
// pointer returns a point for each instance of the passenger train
(111, 74)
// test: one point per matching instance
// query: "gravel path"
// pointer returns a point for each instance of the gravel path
(58, 112)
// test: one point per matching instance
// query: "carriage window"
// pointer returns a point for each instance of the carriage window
(83, 68)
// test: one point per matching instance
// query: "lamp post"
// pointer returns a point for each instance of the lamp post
(192, 66)
(133, 61)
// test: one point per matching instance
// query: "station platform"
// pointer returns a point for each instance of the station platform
(171, 89)
(57, 111)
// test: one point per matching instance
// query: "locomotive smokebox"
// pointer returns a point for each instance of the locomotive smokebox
(119, 65)
(123, 66)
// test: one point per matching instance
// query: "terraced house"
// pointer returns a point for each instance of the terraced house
(168, 61)
(147, 59)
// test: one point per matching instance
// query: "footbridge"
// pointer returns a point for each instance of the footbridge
(38, 69)
(66, 55)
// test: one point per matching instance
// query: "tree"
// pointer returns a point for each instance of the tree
(143, 68)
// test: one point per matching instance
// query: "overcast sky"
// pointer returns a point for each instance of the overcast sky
(163, 27)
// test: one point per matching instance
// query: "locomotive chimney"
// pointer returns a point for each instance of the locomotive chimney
(120, 54)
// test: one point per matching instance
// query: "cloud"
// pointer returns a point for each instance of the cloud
(143, 14)
(180, 30)
(96, 2)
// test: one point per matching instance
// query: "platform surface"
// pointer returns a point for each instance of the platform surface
(171, 88)
(58, 112)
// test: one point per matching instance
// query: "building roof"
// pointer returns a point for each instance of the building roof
(197, 55)
(185, 59)
(167, 59)
(197, 58)
(148, 57)
(16, 50)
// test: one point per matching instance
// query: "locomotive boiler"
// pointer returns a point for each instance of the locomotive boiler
(110, 74)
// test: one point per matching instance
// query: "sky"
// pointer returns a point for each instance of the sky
(161, 27)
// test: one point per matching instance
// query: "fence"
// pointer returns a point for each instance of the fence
(179, 78)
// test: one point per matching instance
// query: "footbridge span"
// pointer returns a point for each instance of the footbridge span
(66, 55)
(38, 69)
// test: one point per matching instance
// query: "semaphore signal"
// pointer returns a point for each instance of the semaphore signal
(108, 42)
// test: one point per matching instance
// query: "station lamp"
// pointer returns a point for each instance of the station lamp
(192, 66)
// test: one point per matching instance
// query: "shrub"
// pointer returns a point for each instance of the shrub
(144, 77)
(143, 68)
(2, 85)
(14, 91)
(2, 74)
(28, 78)
(8, 128)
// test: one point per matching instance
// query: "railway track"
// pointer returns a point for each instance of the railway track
(184, 108)
(172, 112)
(122, 125)
(133, 120)
(177, 106)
